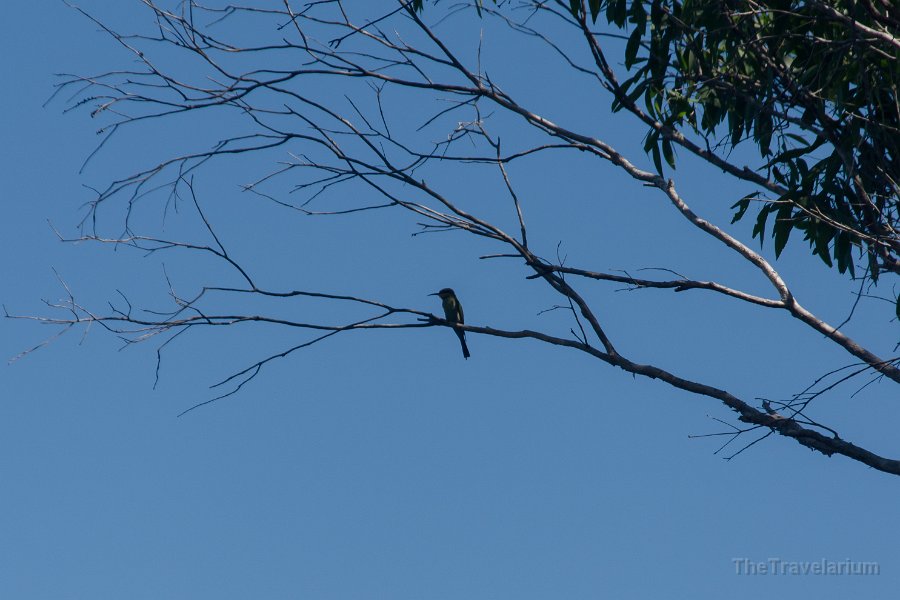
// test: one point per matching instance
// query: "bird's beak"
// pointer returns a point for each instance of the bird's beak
(435, 294)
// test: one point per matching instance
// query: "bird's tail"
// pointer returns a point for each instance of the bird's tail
(462, 341)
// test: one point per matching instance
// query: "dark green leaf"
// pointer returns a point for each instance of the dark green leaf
(843, 252)
(657, 162)
(650, 140)
(759, 229)
(822, 236)
(595, 9)
(874, 269)
(781, 230)
(620, 12)
(639, 15)
(668, 152)
(631, 48)
(742, 205)
(779, 176)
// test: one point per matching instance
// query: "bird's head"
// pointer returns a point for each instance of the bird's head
(444, 293)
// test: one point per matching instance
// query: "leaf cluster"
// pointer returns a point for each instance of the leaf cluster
(812, 86)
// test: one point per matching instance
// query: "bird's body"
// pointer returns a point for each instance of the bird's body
(453, 313)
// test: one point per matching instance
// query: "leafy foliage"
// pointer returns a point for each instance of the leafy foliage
(811, 84)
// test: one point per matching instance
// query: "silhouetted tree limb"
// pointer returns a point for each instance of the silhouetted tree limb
(335, 142)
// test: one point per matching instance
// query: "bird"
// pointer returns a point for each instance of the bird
(453, 312)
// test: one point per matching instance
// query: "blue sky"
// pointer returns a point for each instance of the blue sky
(381, 464)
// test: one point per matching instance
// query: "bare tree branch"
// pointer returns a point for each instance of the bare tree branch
(338, 141)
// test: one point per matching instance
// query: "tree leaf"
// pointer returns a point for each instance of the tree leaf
(759, 229)
(742, 205)
(631, 48)
(822, 236)
(843, 252)
(668, 152)
(595, 9)
(781, 230)
(574, 7)
(657, 162)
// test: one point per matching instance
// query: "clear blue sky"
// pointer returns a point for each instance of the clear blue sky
(383, 465)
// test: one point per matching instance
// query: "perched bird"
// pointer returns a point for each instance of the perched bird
(453, 312)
